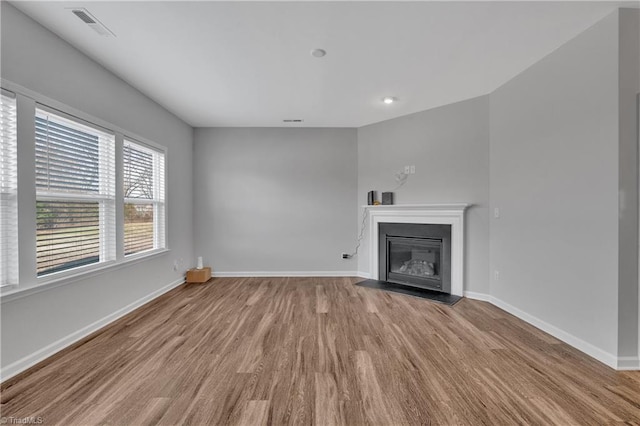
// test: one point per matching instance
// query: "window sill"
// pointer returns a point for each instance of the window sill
(15, 292)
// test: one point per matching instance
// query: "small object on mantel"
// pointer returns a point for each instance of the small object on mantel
(199, 275)
(371, 198)
(387, 198)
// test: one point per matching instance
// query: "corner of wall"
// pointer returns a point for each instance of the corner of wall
(629, 122)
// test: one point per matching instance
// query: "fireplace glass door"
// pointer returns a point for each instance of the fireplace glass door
(415, 261)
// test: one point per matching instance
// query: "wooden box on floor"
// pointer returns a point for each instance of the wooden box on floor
(199, 275)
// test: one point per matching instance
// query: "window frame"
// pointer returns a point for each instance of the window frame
(29, 282)
(159, 158)
(105, 197)
(9, 259)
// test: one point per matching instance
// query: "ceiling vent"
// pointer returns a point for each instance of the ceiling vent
(91, 21)
(293, 120)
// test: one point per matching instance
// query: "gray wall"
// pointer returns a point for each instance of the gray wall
(40, 61)
(275, 200)
(554, 176)
(450, 148)
(629, 87)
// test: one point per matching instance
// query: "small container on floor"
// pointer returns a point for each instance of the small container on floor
(199, 275)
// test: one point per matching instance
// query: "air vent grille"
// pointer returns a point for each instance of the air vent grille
(92, 22)
(293, 120)
(84, 16)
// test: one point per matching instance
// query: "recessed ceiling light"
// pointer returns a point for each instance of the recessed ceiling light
(318, 53)
(389, 100)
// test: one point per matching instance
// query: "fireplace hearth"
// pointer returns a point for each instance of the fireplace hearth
(417, 255)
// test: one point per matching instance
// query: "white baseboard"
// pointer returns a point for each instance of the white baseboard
(285, 274)
(593, 351)
(618, 363)
(364, 275)
(477, 296)
(628, 363)
(41, 354)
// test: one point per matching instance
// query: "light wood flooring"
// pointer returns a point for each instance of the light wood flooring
(255, 351)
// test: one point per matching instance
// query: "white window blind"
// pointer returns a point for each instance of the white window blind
(75, 193)
(8, 191)
(144, 207)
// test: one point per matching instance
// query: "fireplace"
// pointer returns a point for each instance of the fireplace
(429, 214)
(415, 254)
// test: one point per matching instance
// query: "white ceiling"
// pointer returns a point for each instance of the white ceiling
(249, 63)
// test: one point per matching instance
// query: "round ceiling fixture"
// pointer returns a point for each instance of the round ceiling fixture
(389, 100)
(318, 53)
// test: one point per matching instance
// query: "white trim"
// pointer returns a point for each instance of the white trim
(142, 201)
(450, 206)
(57, 196)
(364, 275)
(49, 350)
(70, 120)
(267, 274)
(617, 363)
(626, 363)
(9, 261)
(52, 281)
(444, 214)
(478, 296)
(593, 351)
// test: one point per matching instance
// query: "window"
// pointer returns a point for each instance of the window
(99, 196)
(75, 194)
(8, 191)
(144, 227)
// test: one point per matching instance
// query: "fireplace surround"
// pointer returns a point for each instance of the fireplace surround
(437, 214)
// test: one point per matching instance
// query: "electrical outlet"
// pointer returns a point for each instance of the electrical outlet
(346, 256)
(496, 275)
(407, 170)
(177, 264)
(496, 212)
(412, 170)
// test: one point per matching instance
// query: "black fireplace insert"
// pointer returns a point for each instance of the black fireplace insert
(417, 255)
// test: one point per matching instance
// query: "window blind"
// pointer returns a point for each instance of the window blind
(75, 187)
(8, 190)
(144, 210)
(68, 235)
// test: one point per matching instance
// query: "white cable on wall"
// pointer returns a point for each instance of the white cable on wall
(401, 178)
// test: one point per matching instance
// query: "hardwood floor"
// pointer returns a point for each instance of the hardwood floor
(322, 351)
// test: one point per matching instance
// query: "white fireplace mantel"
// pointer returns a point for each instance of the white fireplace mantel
(440, 214)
